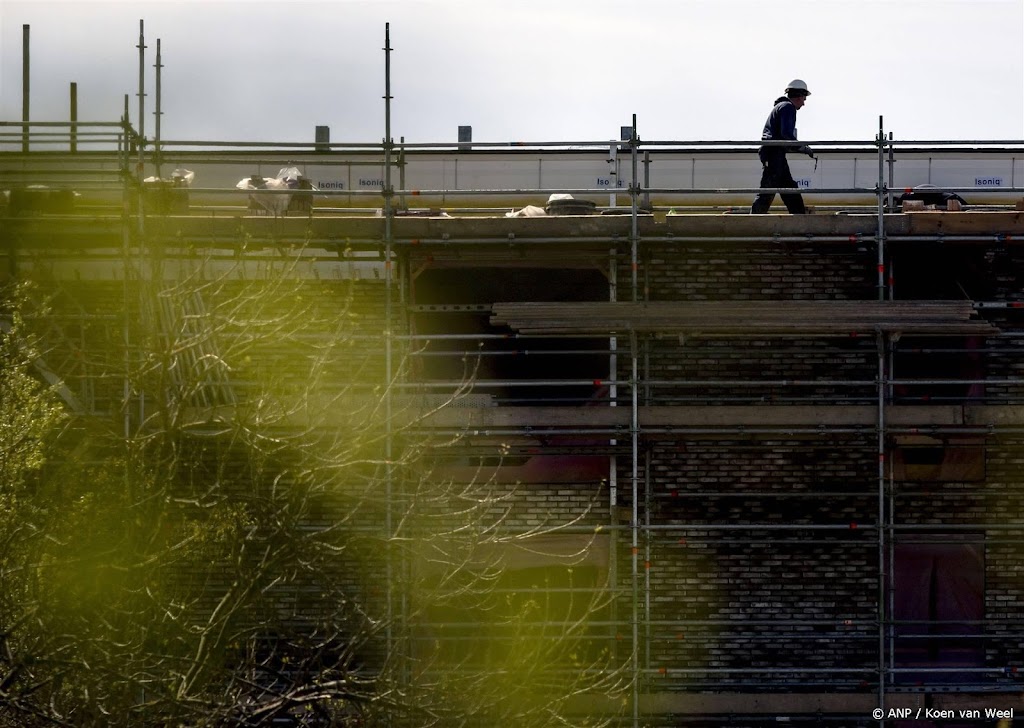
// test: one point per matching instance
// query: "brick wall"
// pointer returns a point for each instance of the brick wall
(733, 586)
(677, 272)
(799, 604)
(754, 272)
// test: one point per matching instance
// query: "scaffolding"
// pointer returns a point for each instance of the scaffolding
(811, 384)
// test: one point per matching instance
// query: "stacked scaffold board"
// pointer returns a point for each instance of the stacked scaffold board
(743, 318)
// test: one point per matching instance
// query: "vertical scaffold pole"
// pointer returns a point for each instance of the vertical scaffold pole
(140, 173)
(634, 234)
(26, 97)
(882, 530)
(142, 86)
(614, 516)
(892, 175)
(634, 522)
(125, 252)
(880, 142)
(128, 142)
(613, 459)
(157, 113)
(140, 165)
(73, 114)
(882, 346)
(891, 552)
(402, 204)
(647, 562)
(388, 341)
(633, 230)
(613, 171)
(886, 533)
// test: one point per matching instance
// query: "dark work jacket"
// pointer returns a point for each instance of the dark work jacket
(781, 124)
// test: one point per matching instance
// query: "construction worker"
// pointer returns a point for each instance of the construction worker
(781, 125)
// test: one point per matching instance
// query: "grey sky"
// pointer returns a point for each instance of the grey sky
(526, 70)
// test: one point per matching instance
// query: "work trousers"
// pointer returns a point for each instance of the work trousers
(776, 174)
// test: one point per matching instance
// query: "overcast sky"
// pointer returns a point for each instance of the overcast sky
(525, 70)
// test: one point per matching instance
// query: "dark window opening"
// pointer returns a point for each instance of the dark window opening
(939, 603)
(514, 371)
(923, 455)
(957, 461)
(949, 369)
(946, 273)
(941, 273)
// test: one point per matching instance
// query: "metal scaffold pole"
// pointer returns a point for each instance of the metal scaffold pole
(892, 176)
(142, 89)
(890, 560)
(157, 113)
(389, 274)
(634, 523)
(634, 426)
(125, 164)
(26, 96)
(613, 460)
(880, 235)
(140, 164)
(73, 132)
(648, 532)
(882, 343)
(126, 141)
(882, 531)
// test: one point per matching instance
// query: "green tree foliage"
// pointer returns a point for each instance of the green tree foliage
(30, 417)
(258, 530)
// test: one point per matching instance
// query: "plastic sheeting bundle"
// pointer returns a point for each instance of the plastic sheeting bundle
(268, 193)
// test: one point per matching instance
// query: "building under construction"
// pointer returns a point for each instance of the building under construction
(792, 447)
(801, 437)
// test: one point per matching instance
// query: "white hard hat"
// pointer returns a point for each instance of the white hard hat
(797, 85)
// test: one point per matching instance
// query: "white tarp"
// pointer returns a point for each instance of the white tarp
(274, 201)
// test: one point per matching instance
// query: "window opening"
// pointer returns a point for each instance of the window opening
(939, 603)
